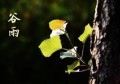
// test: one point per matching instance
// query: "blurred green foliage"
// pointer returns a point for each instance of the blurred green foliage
(20, 58)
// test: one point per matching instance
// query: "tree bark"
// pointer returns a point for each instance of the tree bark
(105, 43)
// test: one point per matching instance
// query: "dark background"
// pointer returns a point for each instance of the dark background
(21, 61)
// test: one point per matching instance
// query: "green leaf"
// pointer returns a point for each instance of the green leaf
(49, 46)
(73, 66)
(87, 32)
(90, 62)
(71, 53)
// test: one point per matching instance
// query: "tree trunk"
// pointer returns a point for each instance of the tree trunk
(105, 43)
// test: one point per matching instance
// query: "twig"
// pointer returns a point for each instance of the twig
(84, 70)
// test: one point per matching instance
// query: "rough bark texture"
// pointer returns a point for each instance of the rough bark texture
(105, 43)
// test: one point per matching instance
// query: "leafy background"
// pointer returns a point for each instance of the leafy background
(21, 62)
